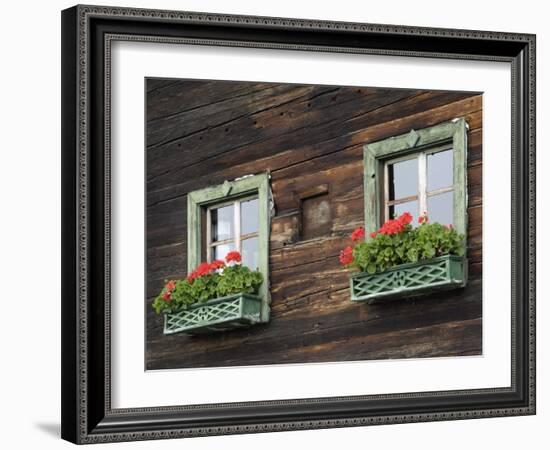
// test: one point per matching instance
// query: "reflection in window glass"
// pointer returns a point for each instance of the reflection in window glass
(440, 208)
(222, 223)
(250, 252)
(403, 179)
(410, 207)
(440, 170)
(221, 250)
(249, 216)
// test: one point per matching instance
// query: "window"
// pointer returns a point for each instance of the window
(420, 182)
(234, 226)
(234, 215)
(421, 171)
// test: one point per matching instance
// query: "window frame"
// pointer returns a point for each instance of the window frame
(249, 186)
(422, 193)
(376, 155)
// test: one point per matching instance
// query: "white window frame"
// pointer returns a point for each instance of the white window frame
(422, 184)
(237, 236)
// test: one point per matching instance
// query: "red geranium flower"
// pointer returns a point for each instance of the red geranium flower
(358, 234)
(166, 296)
(346, 256)
(233, 256)
(217, 264)
(392, 226)
(423, 218)
(405, 218)
(374, 234)
(170, 285)
(203, 269)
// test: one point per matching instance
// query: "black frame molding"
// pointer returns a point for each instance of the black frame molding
(87, 33)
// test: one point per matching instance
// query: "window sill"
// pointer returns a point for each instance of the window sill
(218, 314)
(412, 279)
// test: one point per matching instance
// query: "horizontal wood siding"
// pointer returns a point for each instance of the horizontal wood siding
(200, 133)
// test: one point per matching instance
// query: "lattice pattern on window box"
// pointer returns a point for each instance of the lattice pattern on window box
(407, 280)
(219, 314)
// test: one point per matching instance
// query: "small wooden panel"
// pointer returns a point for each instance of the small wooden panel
(316, 220)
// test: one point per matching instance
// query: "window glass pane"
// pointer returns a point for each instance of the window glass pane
(251, 252)
(222, 223)
(410, 207)
(403, 179)
(219, 251)
(440, 170)
(440, 208)
(249, 216)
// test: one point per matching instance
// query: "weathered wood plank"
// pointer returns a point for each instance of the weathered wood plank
(175, 95)
(205, 120)
(398, 340)
(155, 84)
(458, 338)
(281, 127)
(306, 149)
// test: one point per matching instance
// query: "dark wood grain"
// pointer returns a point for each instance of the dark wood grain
(204, 132)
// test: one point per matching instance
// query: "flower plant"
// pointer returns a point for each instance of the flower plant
(209, 280)
(398, 242)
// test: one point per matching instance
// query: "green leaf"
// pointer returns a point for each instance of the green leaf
(234, 280)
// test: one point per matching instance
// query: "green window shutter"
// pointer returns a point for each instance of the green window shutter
(240, 187)
(453, 133)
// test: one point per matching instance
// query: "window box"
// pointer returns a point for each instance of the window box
(412, 279)
(218, 314)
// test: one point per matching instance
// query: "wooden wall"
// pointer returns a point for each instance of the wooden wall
(201, 133)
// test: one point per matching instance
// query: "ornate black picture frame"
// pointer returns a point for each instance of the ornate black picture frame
(87, 35)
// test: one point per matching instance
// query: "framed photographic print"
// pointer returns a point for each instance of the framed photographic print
(279, 224)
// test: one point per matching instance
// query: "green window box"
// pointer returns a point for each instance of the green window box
(412, 279)
(219, 314)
